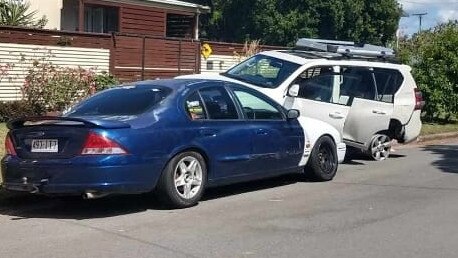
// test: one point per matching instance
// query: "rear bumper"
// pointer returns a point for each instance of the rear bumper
(413, 127)
(75, 179)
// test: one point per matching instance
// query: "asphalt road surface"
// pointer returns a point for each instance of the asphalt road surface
(404, 207)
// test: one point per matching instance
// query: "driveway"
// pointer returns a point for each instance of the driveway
(404, 207)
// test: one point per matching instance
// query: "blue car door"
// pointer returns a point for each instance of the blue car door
(221, 132)
(277, 143)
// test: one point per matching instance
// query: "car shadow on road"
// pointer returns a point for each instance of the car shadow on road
(448, 157)
(24, 206)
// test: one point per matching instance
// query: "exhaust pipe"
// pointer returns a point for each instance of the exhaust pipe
(93, 195)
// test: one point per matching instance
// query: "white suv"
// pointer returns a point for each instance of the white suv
(368, 99)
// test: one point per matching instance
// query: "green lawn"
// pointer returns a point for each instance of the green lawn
(438, 128)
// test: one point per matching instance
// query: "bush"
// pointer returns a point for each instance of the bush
(50, 88)
(104, 81)
(433, 56)
(15, 109)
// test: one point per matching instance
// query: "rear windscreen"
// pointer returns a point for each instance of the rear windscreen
(121, 101)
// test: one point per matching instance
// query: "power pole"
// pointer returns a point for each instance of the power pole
(420, 18)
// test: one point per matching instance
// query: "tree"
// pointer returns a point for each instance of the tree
(282, 22)
(16, 13)
(433, 56)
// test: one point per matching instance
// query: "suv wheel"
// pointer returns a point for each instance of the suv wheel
(380, 147)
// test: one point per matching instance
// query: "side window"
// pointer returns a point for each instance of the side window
(256, 108)
(194, 107)
(218, 103)
(316, 84)
(357, 82)
(388, 83)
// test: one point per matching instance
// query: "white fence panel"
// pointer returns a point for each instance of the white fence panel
(218, 63)
(22, 56)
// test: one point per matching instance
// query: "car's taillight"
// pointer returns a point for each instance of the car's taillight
(419, 102)
(97, 144)
(9, 146)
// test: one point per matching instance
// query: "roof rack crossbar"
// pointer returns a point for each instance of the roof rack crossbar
(345, 48)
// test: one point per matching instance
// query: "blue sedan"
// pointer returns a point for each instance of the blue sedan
(173, 137)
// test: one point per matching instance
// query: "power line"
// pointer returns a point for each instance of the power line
(420, 17)
(413, 2)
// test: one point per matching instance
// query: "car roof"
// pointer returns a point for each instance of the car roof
(310, 57)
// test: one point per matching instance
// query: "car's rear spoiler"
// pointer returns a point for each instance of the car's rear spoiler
(65, 121)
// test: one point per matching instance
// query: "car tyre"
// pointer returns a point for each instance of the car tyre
(323, 162)
(380, 147)
(183, 180)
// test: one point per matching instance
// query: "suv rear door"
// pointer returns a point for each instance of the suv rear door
(370, 110)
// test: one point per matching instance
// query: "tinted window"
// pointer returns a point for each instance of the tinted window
(218, 103)
(388, 83)
(316, 84)
(357, 82)
(256, 108)
(129, 100)
(263, 71)
(194, 107)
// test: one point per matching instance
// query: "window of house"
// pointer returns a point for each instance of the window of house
(101, 19)
(256, 108)
(195, 107)
(316, 84)
(179, 26)
(388, 83)
(218, 103)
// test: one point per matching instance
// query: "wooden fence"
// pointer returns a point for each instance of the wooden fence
(130, 57)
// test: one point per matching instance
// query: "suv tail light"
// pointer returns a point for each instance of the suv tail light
(419, 102)
(9, 146)
(97, 144)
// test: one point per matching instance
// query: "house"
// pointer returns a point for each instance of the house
(162, 18)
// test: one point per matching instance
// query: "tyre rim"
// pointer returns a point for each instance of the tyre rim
(188, 177)
(380, 148)
(326, 159)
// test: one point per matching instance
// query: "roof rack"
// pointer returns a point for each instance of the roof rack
(345, 48)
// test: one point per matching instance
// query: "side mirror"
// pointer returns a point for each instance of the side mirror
(293, 91)
(293, 114)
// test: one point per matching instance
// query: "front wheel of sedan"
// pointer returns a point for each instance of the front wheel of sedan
(183, 181)
(323, 162)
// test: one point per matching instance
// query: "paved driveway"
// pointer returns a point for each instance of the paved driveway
(404, 207)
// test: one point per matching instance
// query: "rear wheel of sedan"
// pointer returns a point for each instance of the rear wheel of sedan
(183, 181)
(323, 162)
(380, 147)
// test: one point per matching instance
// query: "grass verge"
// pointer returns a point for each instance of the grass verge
(433, 128)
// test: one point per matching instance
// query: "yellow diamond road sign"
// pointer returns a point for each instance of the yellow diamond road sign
(206, 50)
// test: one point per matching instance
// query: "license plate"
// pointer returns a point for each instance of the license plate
(45, 145)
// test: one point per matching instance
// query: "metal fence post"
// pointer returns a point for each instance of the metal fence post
(143, 57)
(179, 57)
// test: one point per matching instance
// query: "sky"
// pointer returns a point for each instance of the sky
(438, 11)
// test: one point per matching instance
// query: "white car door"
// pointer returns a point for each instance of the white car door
(318, 96)
(367, 115)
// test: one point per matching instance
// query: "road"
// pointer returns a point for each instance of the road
(404, 207)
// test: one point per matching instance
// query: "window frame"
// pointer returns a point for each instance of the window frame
(277, 106)
(207, 115)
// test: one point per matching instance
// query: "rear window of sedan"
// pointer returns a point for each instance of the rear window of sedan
(121, 101)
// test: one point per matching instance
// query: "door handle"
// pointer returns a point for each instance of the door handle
(208, 132)
(336, 115)
(378, 112)
(261, 132)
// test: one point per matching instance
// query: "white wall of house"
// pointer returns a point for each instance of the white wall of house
(50, 8)
(22, 57)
